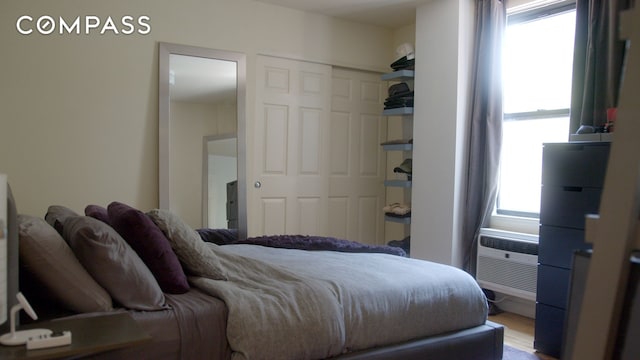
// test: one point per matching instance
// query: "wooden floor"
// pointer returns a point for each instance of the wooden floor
(518, 332)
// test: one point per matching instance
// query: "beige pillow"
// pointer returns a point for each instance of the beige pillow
(113, 263)
(193, 253)
(48, 257)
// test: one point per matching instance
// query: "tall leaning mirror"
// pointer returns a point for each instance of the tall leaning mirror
(202, 133)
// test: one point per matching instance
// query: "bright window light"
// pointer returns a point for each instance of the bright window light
(537, 69)
(538, 63)
(521, 161)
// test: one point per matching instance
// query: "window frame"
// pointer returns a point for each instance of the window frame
(518, 16)
(527, 13)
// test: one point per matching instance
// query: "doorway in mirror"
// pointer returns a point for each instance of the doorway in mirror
(220, 188)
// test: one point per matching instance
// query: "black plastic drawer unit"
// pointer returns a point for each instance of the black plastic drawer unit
(572, 180)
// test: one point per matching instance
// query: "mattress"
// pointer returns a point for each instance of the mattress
(385, 299)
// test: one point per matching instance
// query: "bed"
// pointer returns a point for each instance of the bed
(202, 300)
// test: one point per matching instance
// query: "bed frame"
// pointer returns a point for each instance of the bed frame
(479, 343)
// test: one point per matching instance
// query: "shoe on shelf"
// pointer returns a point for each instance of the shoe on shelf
(389, 208)
(405, 167)
(397, 210)
(401, 210)
(404, 244)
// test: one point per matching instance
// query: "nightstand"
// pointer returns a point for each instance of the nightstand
(90, 335)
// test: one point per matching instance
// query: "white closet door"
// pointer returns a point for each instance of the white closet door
(357, 163)
(289, 187)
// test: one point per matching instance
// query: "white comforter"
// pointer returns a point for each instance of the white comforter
(296, 304)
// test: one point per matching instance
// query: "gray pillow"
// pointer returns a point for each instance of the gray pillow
(56, 214)
(113, 263)
(48, 257)
(194, 254)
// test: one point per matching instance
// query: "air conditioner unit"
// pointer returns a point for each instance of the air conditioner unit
(508, 262)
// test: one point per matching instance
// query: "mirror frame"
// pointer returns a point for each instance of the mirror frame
(164, 92)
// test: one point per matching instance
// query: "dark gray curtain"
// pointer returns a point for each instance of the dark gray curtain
(597, 62)
(485, 126)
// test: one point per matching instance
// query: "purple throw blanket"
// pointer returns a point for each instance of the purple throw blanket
(305, 242)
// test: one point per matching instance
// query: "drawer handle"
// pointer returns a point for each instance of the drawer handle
(572, 188)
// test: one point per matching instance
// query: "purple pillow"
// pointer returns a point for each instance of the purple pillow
(97, 212)
(148, 241)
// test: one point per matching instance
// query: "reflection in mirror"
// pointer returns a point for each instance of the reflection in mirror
(201, 132)
(221, 169)
(202, 96)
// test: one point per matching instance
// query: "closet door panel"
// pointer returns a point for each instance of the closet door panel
(340, 144)
(273, 215)
(290, 148)
(368, 219)
(357, 129)
(310, 142)
(275, 125)
(309, 216)
(369, 159)
(317, 162)
(338, 217)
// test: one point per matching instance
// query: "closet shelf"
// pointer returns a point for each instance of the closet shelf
(406, 113)
(399, 75)
(398, 183)
(398, 111)
(397, 147)
(400, 220)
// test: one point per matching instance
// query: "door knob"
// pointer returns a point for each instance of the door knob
(257, 184)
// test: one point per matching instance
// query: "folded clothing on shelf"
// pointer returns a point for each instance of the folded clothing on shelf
(398, 102)
(403, 64)
(400, 95)
(406, 57)
(399, 89)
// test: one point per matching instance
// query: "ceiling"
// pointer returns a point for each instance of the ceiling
(388, 13)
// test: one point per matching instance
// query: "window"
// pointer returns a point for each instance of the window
(537, 69)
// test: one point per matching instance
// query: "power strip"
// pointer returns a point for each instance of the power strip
(48, 341)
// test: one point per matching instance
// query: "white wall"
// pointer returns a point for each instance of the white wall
(444, 30)
(79, 113)
(405, 34)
